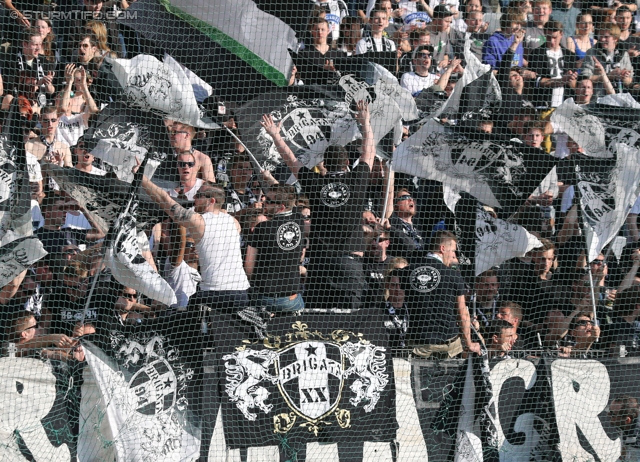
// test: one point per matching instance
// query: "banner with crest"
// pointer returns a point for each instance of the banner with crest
(306, 381)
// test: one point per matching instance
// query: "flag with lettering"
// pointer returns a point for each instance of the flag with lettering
(309, 380)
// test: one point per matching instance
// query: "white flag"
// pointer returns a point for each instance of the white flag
(129, 267)
(585, 129)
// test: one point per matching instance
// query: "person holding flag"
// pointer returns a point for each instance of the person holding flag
(216, 236)
(338, 198)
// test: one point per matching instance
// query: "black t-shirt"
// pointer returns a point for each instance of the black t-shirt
(54, 240)
(279, 242)
(431, 292)
(337, 202)
(66, 312)
(546, 66)
(404, 237)
(621, 332)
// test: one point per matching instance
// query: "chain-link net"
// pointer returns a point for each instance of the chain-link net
(394, 230)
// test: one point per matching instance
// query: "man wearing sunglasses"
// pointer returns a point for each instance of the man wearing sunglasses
(405, 238)
(181, 137)
(188, 175)
(422, 77)
(276, 243)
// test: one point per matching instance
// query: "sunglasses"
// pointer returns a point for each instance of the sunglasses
(35, 326)
(404, 198)
(598, 262)
(584, 322)
(184, 164)
(129, 296)
(189, 245)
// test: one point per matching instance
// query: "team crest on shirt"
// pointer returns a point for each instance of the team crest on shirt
(289, 235)
(335, 194)
(424, 279)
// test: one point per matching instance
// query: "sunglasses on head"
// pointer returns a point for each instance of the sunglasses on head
(184, 164)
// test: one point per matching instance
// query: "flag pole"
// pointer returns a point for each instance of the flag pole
(386, 196)
(253, 158)
(135, 184)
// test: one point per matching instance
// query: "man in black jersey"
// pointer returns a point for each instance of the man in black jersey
(434, 293)
(274, 250)
(335, 273)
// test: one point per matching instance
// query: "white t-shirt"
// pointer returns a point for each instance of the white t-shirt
(556, 73)
(183, 279)
(373, 44)
(192, 192)
(219, 254)
(70, 128)
(415, 83)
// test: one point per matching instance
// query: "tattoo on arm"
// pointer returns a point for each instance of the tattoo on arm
(180, 214)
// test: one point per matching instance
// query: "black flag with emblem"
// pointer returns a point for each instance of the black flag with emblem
(484, 240)
(146, 389)
(310, 379)
(499, 173)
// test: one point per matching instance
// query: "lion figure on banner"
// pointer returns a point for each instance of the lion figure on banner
(244, 376)
(368, 362)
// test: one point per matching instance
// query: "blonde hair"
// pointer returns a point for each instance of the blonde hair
(98, 29)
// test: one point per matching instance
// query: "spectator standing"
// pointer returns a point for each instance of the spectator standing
(534, 30)
(501, 336)
(216, 235)
(377, 41)
(47, 147)
(181, 137)
(567, 14)
(75, 111)
(319, 55)
(190, 184)
(84, 161)
(422, 77)
(613, 58)
(581, 41)
(405, 237)
(624, 331)
(274, 251)
(475, 34)
(486, 297)
(336, 11)
(497, 45)
(623, 415)
(555, 68)
(335, 272)
(434, 293)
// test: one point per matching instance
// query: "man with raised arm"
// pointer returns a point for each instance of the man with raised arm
(216, 236)
(338, 197)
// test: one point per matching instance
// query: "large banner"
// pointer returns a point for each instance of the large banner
(307, 381)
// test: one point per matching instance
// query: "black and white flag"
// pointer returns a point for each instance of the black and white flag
(17, 256)
(143, 382)
(311, 120)
(498, 172)
(124, 257)
(308, 380)
(120, 135)
(160, 87)
(583, 127)
(103, 197)
(607, 190)
(487, 241)
(15, 193)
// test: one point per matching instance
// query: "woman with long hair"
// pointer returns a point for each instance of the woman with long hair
(99, 30)
(44, 27)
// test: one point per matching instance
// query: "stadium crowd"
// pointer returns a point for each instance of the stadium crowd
(245, 240)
